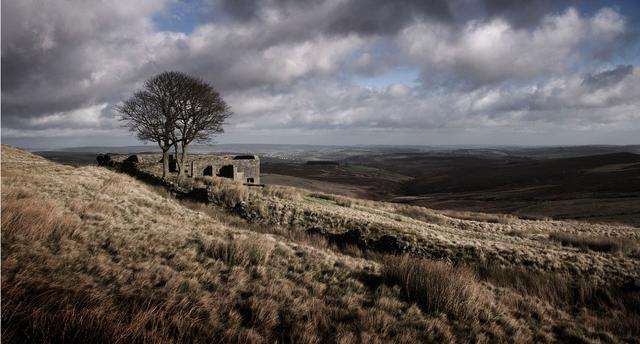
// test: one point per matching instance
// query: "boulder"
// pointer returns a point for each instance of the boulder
(103, 159)
(132, 159)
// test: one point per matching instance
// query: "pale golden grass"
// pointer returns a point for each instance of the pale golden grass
(298, 235)
(140, 266)
(339, 200)
(481, 217)
(421, 214)
(252, 250)
(284, 192)
(597, 243)
(437, 286)
(139, 275)
(226, 192)
(34, 218)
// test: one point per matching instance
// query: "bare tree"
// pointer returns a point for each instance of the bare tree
(151, 113)
(201, 112)
(175, 109)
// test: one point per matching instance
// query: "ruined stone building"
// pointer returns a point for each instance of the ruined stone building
(242, 168)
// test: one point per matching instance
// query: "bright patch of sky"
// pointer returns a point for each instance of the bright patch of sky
(179, 16)
(407, 76)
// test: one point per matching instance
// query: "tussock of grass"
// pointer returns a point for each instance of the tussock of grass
(420, 213)
(481, 217)
(339, 200)
(552, 287)
(284, 192)
(33, 218)
(436, 286)
(595, 243)
(225, 192)
(243, 252)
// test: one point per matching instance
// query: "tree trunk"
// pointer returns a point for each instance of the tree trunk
(165, 162)
(183, 160)
(176, 158)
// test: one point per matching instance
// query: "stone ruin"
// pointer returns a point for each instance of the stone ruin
(241, 168)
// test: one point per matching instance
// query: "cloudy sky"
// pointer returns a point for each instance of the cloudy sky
(487, 72)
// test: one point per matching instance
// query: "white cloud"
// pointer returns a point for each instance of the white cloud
(84, 117)
(493, 51)
(66, 63)
(325, 104)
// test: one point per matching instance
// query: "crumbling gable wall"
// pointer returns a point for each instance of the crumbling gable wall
(245, 170)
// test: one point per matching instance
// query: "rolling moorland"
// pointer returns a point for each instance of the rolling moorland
(597, 184)
(586, 183)
(93, 254)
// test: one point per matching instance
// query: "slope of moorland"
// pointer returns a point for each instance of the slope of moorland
(504, 240)
(93, 255)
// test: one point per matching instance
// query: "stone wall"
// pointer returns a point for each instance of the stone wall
(242, 168)
(246, 170)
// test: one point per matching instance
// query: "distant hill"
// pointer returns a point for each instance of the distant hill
(596, 187)
(614, 172)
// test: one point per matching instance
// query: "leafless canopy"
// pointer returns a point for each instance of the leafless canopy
(202, 112)
(175, 109)
(149, 113)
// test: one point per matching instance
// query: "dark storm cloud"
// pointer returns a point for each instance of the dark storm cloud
(388, 17)
(383, 17)
(56, 56)
(607, 78)
(524, 13)
(241, 9)
(357, 16)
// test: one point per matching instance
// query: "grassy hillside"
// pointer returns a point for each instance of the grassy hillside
(89, 254)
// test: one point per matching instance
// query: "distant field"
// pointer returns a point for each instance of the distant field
(70, 158)
(313, 185)
(602, 188)
(372, 182)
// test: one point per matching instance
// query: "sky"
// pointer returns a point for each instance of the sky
(337, 72)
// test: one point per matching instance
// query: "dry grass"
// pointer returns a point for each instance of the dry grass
(339, 200)
(421, 214)
(482, 217)
(27, 216)
(128, 264)
(226, 192)
(136, 274)
(229, 220)
(284, 192)
(596, 243)
(609, 308)
(555, 288)
(436, 286)
(243, 252)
